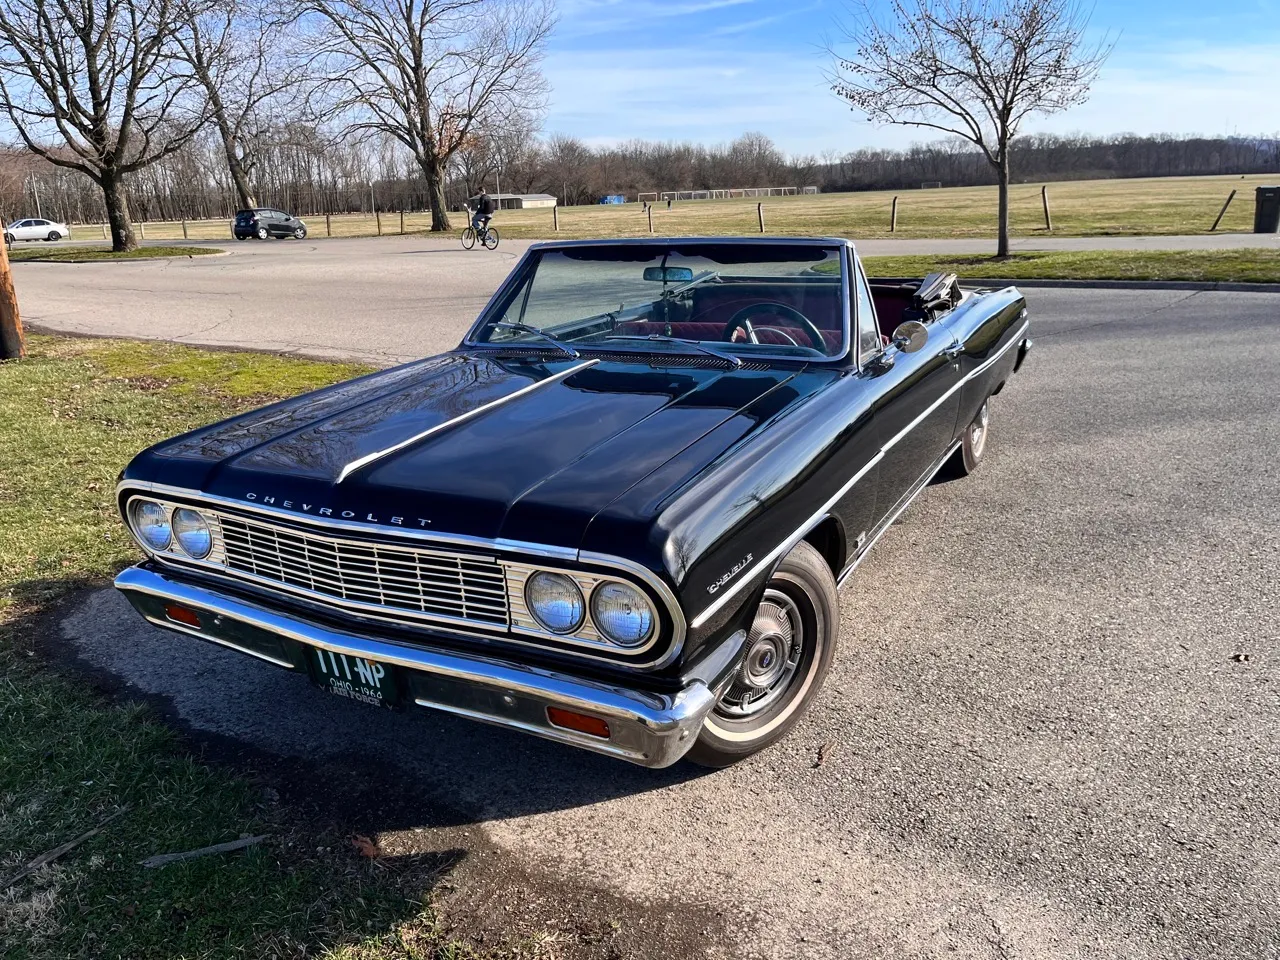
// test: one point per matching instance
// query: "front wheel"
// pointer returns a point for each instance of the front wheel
(491, 238)
(8, 239)
(300, 233)
(789, 652)
(468, 238)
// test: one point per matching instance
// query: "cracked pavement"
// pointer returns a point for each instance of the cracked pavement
(1050, 729)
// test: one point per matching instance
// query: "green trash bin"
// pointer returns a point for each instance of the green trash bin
(1266, 215)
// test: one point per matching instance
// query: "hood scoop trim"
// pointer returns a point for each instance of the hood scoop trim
(362, 462)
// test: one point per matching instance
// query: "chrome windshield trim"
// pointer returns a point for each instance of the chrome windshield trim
(369, 458)
(782, 548)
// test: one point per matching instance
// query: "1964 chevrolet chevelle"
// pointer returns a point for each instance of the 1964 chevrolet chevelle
(615, 516)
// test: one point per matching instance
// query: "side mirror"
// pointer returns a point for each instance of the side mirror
(910, 336)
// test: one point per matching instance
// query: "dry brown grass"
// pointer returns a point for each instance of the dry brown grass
(1160, 206)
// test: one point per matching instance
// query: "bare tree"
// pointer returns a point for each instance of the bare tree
(426, 72)
(97, 75)
(237, 53)
(973, 68)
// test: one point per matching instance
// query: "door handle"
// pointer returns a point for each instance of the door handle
(953, 350)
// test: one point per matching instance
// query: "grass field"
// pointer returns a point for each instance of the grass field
(1239, 266)
(70, 416)
(1165, 206)
(88, 254)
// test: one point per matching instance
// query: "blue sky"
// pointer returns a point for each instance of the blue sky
(707, 70)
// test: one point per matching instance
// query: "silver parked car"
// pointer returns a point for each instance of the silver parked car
(35, 228)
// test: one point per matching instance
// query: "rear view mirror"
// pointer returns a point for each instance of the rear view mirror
(668, 274)
(910, 335)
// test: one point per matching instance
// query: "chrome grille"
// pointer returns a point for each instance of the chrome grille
(440, 585)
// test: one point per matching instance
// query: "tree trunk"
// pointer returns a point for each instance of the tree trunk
(434, 174)
(13, 345)
(1002, 168)
(240, 178)
(117, 200)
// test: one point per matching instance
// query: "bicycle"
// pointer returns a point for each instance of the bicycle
(487, 236)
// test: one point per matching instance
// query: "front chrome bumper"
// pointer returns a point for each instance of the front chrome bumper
(653, 730)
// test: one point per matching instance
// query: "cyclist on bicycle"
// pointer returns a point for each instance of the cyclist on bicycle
(481, 211)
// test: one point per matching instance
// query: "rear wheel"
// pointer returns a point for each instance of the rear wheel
(262, 233)
(789, 652)
(974, 444)
(53, 236)
(468, 238)
(491, 238)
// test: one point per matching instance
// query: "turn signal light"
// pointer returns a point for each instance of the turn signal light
(182, 615)
(581, 722)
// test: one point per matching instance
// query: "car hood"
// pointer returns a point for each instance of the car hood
(476, 445)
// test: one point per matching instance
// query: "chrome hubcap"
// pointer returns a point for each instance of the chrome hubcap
(773, 654)
(978, 431)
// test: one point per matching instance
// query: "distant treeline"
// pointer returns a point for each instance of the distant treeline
(307, 173)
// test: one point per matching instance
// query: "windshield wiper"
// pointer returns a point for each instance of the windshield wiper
(696, 344)
(564, 348)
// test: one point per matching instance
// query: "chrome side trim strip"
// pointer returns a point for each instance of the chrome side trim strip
(782, 548)
(369, 458)
(866, 550)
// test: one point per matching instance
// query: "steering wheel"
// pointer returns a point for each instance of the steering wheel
(743, 319)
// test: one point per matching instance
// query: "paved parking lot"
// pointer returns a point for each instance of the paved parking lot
(1051, 728)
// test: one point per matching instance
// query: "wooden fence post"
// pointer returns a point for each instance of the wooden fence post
(184, 231)
(377, 215)
(104, 231)
(893, 217)
(402, 223)
(13, 344)
(142, 230)
(1044, 198)
(555, 218)
(328, 228)
(1222, 213)
(760, 215)
(649, 210)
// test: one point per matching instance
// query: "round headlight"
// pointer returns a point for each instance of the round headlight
(151, 521)
(555, 601)
(192, 533)
(622, 613)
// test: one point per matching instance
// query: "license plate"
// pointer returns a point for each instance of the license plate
(355, 678)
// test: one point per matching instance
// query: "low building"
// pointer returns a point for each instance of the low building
(523, 201)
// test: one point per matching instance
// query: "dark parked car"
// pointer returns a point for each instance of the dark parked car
(615, 516)
(265, 222)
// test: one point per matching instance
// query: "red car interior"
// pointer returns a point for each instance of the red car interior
(713, 306)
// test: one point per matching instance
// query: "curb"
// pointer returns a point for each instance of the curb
(219, 253)
(1223, 286)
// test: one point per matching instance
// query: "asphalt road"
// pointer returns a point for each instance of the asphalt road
(1052, 723)
(382, 300)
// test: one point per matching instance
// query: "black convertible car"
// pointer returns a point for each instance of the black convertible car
(615, 516)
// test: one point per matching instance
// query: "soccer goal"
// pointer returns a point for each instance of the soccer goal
(931, 185)
(650, 197)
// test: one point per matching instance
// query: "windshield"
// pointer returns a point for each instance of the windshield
(744, 299)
